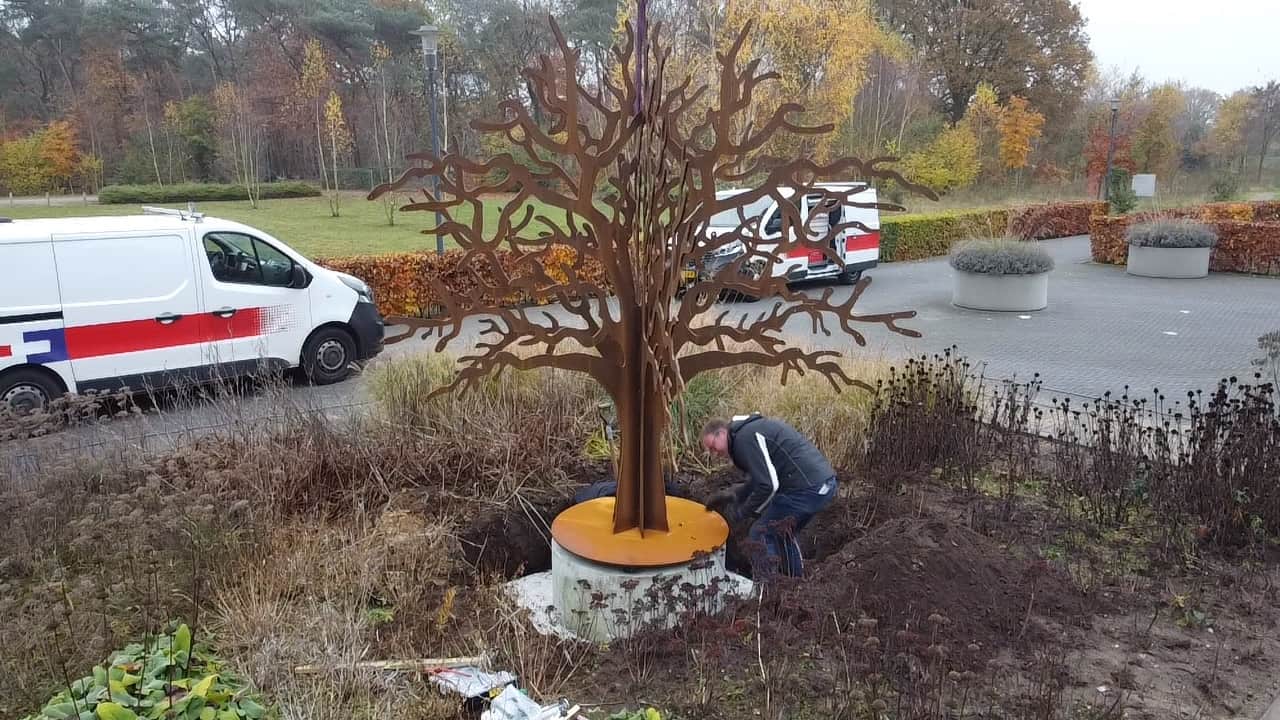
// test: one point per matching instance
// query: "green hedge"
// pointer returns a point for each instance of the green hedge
(913, 237)
(198, 192)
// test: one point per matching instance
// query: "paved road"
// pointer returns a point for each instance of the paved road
(1102, 330)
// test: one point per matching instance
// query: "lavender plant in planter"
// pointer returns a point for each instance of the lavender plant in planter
(1170, 249)
(1002, 274)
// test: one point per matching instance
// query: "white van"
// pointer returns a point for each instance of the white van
(167, 298)
(860, 249)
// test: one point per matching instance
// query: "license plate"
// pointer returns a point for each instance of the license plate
(690, 275)
(816, 257)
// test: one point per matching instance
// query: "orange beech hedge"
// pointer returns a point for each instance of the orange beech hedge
(402, 282)
(1248, 235)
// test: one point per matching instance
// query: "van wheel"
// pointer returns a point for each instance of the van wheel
(327, 356)
(26, 391)
(849, 277)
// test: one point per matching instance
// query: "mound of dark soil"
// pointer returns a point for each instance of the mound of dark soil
(944, 584)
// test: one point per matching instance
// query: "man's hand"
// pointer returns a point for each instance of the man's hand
(722, 500)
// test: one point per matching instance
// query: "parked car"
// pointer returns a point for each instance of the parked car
(167, 298)
(860, 249)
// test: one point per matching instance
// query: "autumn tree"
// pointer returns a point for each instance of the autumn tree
(242, 133)
(1020, 125)
(1156, 147)
(313, 84)
(1265, 118)
(1037, 50)
(948, 163)
(59, 153)
(983, 117)
(1227, 140)
(339, 138)
(662, 160)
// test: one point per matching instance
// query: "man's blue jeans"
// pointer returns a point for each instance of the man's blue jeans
(773, 536)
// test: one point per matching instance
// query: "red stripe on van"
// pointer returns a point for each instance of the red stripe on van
(6, 351)
(866, 241)
(90, 341)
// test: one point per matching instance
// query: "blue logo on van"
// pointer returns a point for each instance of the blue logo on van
(57, 345)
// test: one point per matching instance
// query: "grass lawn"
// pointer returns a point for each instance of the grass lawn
(303, 223)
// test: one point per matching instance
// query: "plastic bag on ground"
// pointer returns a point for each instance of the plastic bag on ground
(470, 681)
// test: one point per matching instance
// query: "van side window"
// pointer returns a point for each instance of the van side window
(775, 223)
(834, 217)
(239, 258)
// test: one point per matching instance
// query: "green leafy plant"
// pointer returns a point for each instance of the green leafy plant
(1225, 186)
(1120, 193)
(169, 677)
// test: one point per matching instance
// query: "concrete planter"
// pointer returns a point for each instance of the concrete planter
(1003, 293)
(1160, 262)
(600, 602)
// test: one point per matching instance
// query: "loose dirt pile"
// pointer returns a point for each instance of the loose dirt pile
(945, 584)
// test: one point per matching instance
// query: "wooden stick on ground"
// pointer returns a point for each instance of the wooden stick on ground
(419, 665)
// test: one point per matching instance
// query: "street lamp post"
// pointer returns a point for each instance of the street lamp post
(430, 36)
(1111, 150)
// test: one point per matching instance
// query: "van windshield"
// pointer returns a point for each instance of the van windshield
(730, 218)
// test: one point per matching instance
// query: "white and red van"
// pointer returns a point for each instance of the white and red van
(860, 249)
(167, 298)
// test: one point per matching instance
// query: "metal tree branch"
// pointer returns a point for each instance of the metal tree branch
(634, 162)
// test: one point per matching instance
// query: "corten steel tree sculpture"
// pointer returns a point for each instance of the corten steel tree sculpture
(658, 158)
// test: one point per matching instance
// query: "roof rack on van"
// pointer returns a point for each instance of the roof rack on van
(188, 214)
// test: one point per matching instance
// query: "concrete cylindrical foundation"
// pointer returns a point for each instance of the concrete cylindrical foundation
(601, 602)
(1004, 293)
(1168, 262)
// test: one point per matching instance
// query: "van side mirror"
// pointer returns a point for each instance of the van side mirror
(298, 277)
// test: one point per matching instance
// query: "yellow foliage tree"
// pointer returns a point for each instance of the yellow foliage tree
(948, 163)
(312, 83)
(335, 125)
(983, 117)
(1155, 143)
(1019, 126)
(821, 49)
(1227, 136)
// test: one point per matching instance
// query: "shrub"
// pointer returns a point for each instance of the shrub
(1239, 211)
(405, 283)
(913, 237)
(1001, 256)
(1250, 247)
(950, 162)
(1172, 234)
(200, 192)
(1120, 193)
(1053, 220)
(1224, 186)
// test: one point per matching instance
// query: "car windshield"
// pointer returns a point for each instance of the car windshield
(730, 218)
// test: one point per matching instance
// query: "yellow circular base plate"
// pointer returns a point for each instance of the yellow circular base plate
(586, 530)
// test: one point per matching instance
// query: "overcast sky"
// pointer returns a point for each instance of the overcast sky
(1222, 45)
